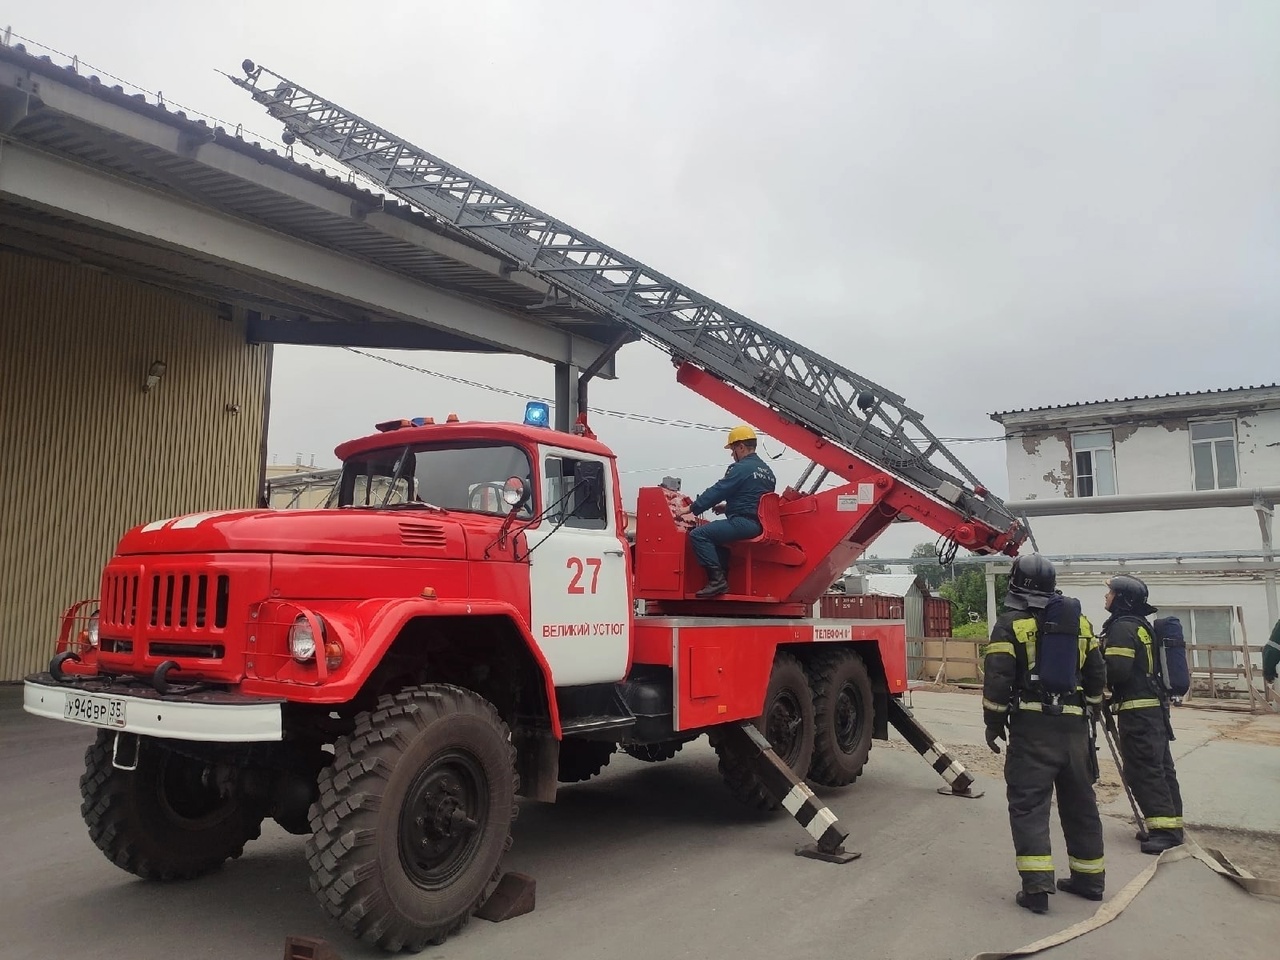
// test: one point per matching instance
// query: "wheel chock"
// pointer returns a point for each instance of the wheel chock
(308, 948)
(512, 897)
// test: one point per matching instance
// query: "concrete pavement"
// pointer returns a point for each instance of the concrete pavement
(646, 861)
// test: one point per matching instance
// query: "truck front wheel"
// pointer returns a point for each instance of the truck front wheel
(173, 817)
(414, 816)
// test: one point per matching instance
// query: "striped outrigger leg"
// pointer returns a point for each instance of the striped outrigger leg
(796, 798)
(818, 820)
(959, 780)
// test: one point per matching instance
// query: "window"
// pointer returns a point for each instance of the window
(576, 493)
(1095, 464)
(1213, 455)
(1205, 626)
(463, 478)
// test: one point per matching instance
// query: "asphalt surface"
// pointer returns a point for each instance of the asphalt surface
(645, 861)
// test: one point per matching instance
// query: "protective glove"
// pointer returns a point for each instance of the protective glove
(995, 731)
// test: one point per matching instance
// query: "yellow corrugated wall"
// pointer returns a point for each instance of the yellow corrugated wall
(85, 454)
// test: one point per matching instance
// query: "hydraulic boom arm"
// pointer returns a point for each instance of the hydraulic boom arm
(834, 404)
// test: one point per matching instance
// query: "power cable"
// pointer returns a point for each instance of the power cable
(602, 411)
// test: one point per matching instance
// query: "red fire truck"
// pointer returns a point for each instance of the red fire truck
(469, 622)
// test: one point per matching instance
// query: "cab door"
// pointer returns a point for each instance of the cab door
(580, 598)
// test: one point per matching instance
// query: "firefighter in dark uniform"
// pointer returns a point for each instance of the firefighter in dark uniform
(1047, 749)
(1141, 710)
(744, 484)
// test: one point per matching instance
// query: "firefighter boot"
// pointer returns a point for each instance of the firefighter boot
(1161, 840)
(717, 584)
(1035, 902)
(1071, 885)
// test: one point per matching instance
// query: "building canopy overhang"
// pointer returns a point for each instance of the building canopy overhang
(93, 175)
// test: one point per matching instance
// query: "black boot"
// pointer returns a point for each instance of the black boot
(1069, 885)
(1035, 902)
(1160, 841)
(716, 584)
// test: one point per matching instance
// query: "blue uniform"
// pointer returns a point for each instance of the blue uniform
(744, 483)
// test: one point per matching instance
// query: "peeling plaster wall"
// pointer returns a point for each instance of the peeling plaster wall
(1039, 466)
(1258, 437)
(1152, 456)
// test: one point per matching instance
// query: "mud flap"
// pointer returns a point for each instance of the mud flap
(959, 780)
(796, 798)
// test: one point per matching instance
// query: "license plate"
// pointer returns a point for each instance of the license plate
(102, 711)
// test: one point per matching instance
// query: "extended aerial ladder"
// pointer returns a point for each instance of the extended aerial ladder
(828, 408)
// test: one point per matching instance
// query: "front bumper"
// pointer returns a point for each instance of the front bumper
(211, 716)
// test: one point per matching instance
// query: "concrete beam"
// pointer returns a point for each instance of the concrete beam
(170, 269)
(384, 335)
(90, 196)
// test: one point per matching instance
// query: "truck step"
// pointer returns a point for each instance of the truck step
(582, 726)
(595, 711)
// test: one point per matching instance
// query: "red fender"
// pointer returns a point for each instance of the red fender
(366, 629)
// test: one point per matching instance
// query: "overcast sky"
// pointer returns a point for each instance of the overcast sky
(983, 205)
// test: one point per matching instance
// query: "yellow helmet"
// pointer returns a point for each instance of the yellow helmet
(739, 434)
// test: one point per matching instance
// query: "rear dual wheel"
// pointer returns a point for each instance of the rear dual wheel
(818, 719)
(787, 723)
(843, 714)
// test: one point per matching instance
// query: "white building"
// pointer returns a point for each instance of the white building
(1133, 454)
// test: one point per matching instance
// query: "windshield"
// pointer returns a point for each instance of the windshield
(461, 478)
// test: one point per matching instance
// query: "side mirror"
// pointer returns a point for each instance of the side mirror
(514, 492)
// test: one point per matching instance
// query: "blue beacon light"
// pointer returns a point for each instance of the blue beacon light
(537, 414)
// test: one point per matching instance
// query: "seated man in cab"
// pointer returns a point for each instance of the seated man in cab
(745, 482)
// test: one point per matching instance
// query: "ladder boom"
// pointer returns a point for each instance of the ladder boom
(839, 405)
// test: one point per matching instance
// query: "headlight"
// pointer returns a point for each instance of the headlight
(302, 640)
(93, 630)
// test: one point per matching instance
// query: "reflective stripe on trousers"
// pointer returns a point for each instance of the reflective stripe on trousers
(1086, 866)
(1035, 864)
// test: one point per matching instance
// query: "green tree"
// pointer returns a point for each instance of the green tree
(967, 592)
(930, 569)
